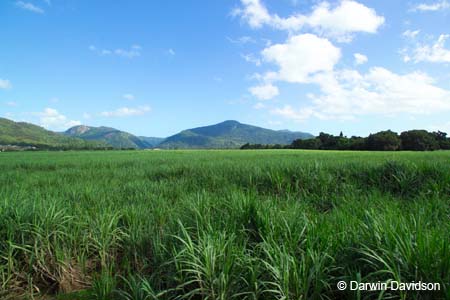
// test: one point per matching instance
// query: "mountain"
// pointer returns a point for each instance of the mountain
(113, 137)
(230, 134)
(26, 134)
(152, 141)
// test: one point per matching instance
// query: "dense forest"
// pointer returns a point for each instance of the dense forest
(412, 140)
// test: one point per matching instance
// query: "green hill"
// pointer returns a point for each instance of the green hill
(26, 134)
(229, 134)
(152, 141)
(113, 137)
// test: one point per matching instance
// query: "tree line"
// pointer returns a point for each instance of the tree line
(413, 140)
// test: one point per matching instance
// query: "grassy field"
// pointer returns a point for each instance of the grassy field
(222, 224)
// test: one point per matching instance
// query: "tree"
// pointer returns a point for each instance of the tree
(306, 144)
(246, 146)
(419, 140)
(384, 141)
(441, 138)
(328, 141)
(357, 143)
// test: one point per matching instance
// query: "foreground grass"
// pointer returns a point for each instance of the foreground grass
(222, 224)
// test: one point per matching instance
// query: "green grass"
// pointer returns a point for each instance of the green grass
(222, 224)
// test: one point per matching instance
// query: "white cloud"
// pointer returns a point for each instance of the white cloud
(50, 118)
(302, 56)
(435, 53)
(264, 92)
(411, 34)
(241, 40)
(128, 96)
(171, 52)
(360, 58)
(126, 111)
(87, 115)
(348, 17)
(132, 52)
(340, 21)
(30, 7)
(251, 59)
(289, 113)
(254, 13)
(440, 5)
(344, 94)
(5, 84)
(347, 94)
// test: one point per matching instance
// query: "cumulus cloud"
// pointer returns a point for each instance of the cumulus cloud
(302, 56)
(264, 92)
(255, 13)
(440, 5)
(132, 52)
(339, 21)
(434, 53)
(360, 58)
(347, 94)
(5, 84)
(126, 112)
(50, 118)
(30, 7)
(343, 94)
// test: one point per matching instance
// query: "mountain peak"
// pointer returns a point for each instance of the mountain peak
(111, 136)
(229, 134)
(229, 122)
(79, 129)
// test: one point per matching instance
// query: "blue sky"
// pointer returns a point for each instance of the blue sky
(156, 67)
